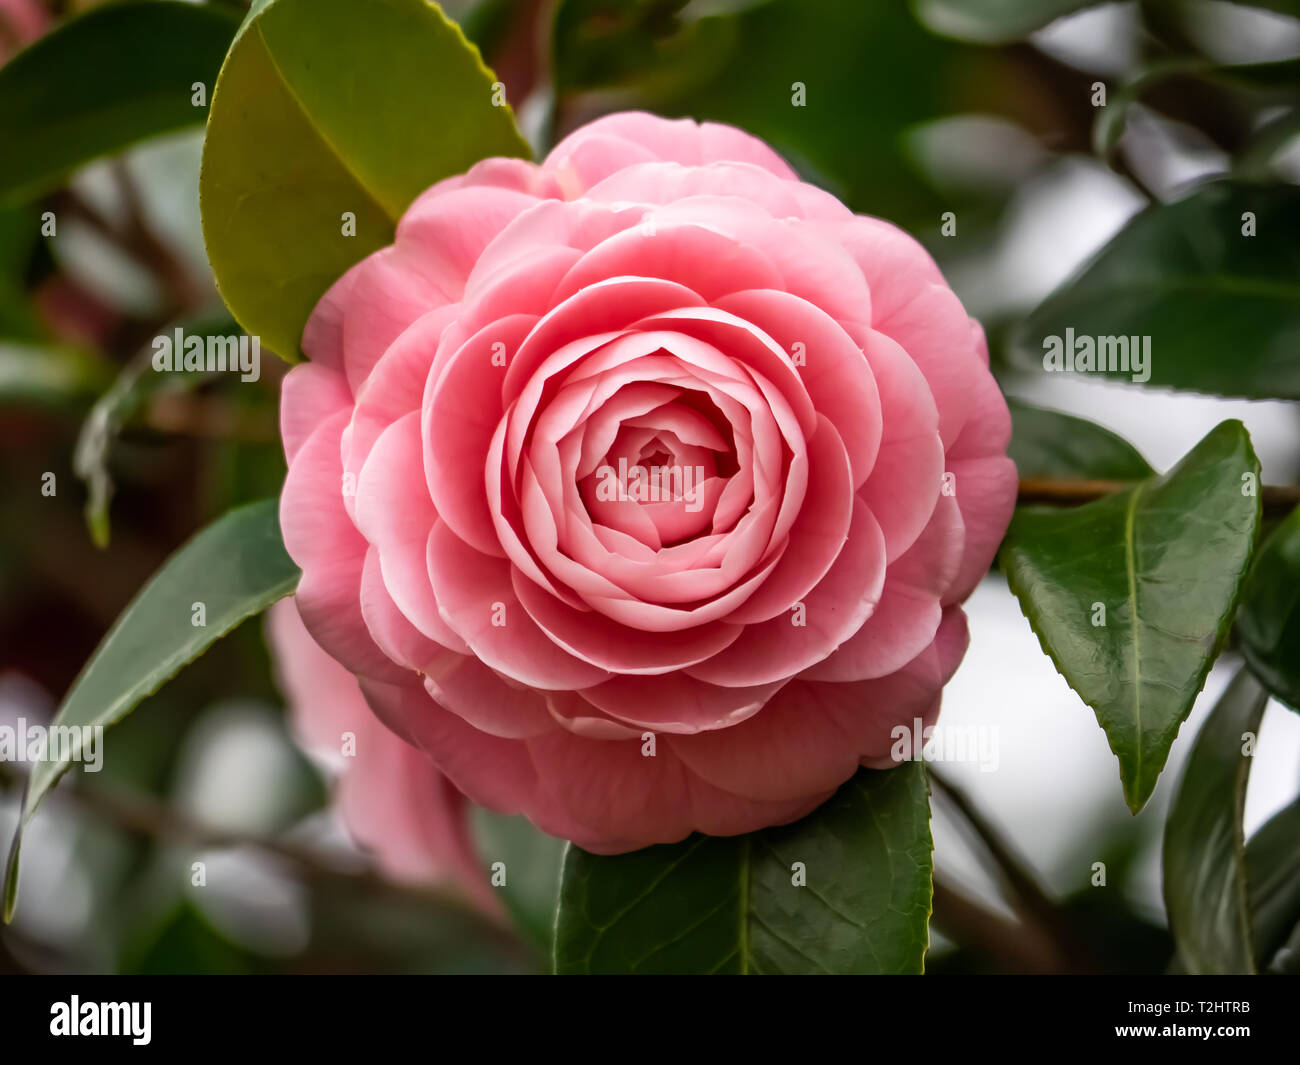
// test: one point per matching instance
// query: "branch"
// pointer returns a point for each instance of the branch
(1278, 500)
(1029, 899)
(146, 817)
(1018, 947)
(137, 239)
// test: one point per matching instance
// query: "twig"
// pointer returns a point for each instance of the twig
(172, 272)
(1020, 948)
(137, 239)
(143, 816)
(1028, 897)
(1277, 500)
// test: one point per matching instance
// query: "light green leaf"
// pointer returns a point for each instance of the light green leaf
(1221, 308)
(1269, 618)
(1205, 848)
(1047, 443)
(236, 567)
(326, 107)
(731, 905)
(103, 81)
(133, 387)
(1164, 560)
(532, 861)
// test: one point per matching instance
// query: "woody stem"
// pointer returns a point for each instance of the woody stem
(1278, 500)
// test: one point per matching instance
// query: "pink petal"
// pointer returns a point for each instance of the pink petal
(817, 536)
(395, 636)
(835, 371)
(386, 294)
(689, 254)
(810, 737)
(475, 693)
(625, 138)
(574, 714)
(832, 612)
(461, 412)
(321, 539)
(908, 475)
(678, 703)
(476, 599)
(449, 231)
(616, 648)
(907, 617)
(309, 393)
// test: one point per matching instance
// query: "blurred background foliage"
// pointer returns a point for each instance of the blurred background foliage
(978, 107)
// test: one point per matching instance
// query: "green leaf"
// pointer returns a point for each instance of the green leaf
(325, 107)
(712, 905)
(532, 860)
(49, 375)
(994, 21)
(1221, 309)
(1112, 119)
(1255, 160)
(1047, 443)
(236, 568)
(1269, 618)
(133, 387)
(1165, 559)
(1205, 847)
(1273, 887)
(738, 62)
(1003, 21)
(650, 44)
(101, 82)
(19, 234)
(1178, 72)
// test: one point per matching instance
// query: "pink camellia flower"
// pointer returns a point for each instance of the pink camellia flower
(392, 798)
(639, 488)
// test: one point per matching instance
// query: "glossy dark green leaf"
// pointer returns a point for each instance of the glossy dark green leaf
(1221, 309)
(1047, 443)
(103, 81)
(326, 107)
(1273, 886)
(730, 905)
(236, 567)
(744, 61)
(19, 235)
(646, 43)
(1269, 618)
(1164, 560)
(1205, 847)
(994, 21)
